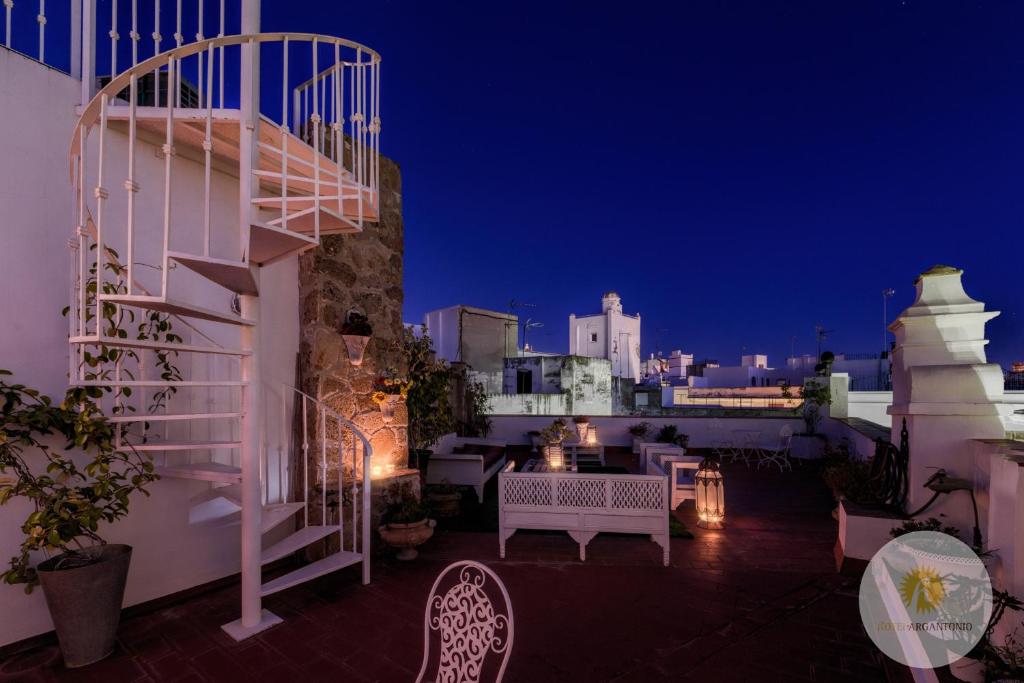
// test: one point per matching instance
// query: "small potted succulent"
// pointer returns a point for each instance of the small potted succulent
(388, 391)
(444, 499)
(405, 522)
(356, 332)
(582, 423)
(640, 432)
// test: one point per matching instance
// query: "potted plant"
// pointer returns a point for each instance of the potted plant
(428, 398)
(405, 522)
(535, 440)
(809, 444)
(988, 661)
(640, 432)
(356, 332)
(388, 391)
(670, 434)
(582, 424)
(84, 577)
(552, 437)
(444, 499)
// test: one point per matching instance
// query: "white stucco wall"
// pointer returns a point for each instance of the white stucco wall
(36, 220)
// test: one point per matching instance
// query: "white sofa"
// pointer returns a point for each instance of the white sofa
(583, 505)
(680, 470)
(466, 469)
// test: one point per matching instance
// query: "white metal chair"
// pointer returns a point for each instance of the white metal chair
(780, 454)
(467, 627)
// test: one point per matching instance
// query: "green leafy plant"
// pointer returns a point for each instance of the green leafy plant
(70, 500)
(402, 505)
(931, 524)
(641, 429)
(477, 422)
(555, 433)
(815, 395)
(113, 323)
(428, 400)
(849, 478)
(670, 434)
(356, 324)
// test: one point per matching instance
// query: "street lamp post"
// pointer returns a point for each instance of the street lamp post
(886, 295)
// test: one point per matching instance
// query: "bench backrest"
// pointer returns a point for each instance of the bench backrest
(627, 494)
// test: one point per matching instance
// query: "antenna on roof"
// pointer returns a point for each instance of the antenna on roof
(822, 334)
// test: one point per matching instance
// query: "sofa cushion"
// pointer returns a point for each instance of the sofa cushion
(492, 455)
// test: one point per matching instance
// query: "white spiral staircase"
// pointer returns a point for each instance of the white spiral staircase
(179, 208)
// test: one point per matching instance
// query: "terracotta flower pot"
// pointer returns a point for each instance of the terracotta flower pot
(406, 537)
(356, 345)
(85, 602)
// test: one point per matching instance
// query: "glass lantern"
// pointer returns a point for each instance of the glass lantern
(710, 495)
(555, 457)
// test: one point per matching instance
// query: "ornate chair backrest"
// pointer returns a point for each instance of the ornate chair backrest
(468, 626)
(785, 437)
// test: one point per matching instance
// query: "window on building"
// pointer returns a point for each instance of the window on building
(593, 337)
(524, 381)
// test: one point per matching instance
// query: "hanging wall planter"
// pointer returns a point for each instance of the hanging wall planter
(356, 332)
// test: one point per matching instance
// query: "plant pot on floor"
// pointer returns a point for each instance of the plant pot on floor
(807, 446)
(85, 602)
(407, 537)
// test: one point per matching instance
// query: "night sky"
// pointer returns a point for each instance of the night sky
(738, 171)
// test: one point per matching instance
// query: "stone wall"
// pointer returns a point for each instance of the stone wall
(364, 272)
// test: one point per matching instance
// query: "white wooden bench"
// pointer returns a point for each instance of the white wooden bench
(466, 469)
(583, 505)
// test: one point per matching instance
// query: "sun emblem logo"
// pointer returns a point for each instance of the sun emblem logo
(922, 589)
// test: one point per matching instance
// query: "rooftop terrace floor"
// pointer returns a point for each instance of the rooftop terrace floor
(759, 600)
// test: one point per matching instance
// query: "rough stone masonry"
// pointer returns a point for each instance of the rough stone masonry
(360, 271)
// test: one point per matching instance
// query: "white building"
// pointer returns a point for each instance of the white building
(610, 334)
(480, 338)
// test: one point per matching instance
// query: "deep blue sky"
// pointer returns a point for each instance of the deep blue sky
(738, 170)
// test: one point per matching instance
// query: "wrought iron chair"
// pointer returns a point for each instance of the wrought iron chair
(779, 455)
(467, 627)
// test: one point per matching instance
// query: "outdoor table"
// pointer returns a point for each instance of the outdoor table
(541, 465)
(590, 454)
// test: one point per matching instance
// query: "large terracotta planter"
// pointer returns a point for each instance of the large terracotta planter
(356, 345)
(406, 537)
(85, 603)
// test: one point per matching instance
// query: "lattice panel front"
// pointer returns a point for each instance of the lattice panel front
(527, 491)
(638, 494)
(581, 493)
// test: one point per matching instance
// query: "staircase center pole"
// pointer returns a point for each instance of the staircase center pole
(254, 618)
